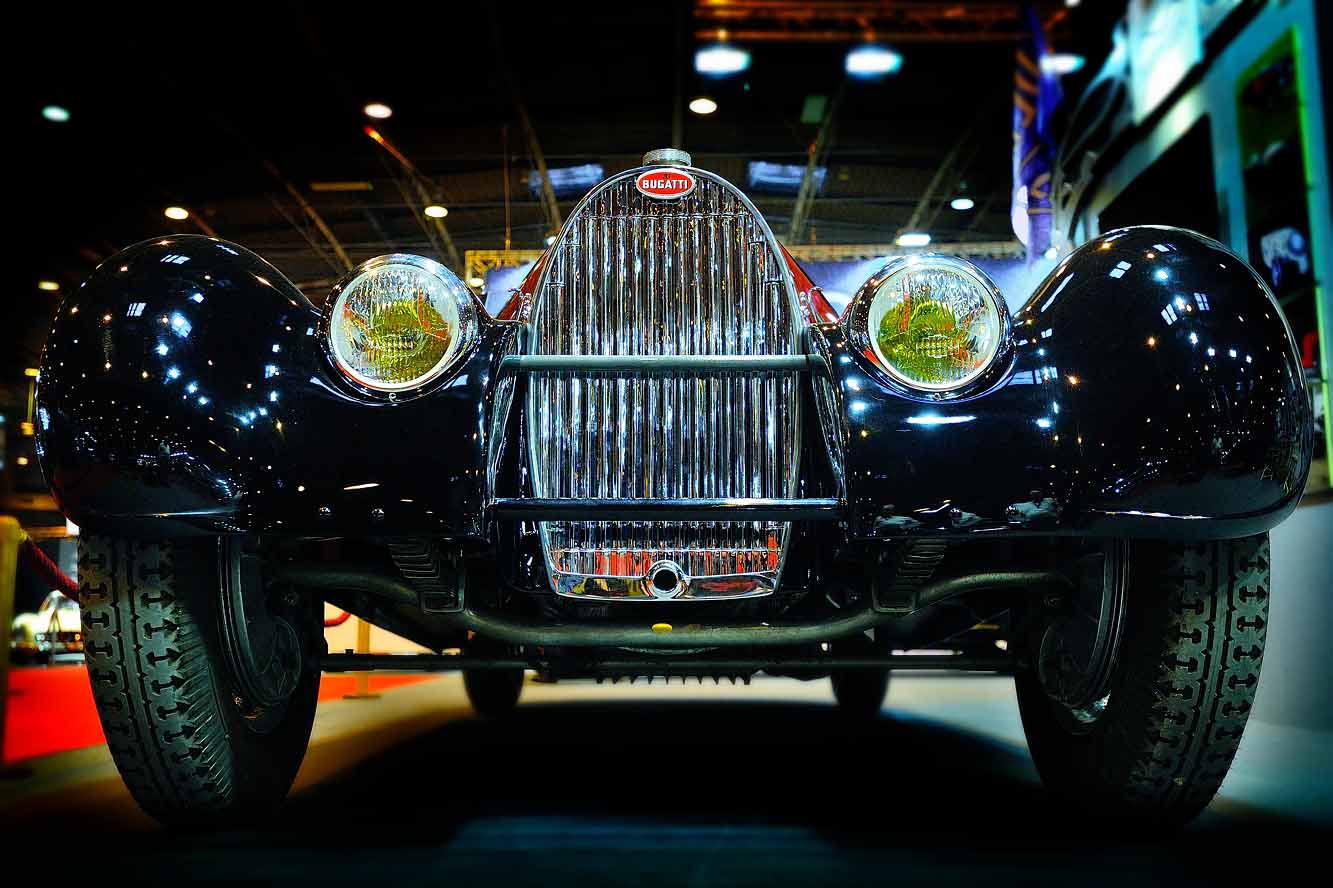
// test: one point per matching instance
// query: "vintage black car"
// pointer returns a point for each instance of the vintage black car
(668, 456)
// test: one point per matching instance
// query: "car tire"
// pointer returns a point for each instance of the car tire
(493, 693)
(1182, 686)
(860, 692)
(190, 750)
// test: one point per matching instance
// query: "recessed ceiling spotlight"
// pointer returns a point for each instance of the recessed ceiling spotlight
(475, 281)
(1061, 63)
(56, 113)
(720, 60)
(870, 61)
(703, 105)
(378, 110)
(435, 211)
(177, 213)
(962, 204)
(48, 286)
(913, 239)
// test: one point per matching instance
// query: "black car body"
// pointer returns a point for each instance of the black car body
(668, 455)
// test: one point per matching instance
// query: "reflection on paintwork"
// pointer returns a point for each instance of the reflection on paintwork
(1160, 431)
(175, 423)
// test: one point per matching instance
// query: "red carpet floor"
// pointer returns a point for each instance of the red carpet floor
(50, 708)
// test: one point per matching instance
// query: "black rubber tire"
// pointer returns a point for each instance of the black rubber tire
(1181, 689)
(187, 751)
(493, 693)
(860, 692)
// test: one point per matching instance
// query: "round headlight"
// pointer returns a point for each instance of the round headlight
(934, 323)
(399, 321)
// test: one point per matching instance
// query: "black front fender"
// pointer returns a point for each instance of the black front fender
(184, 388)
(1155, 390)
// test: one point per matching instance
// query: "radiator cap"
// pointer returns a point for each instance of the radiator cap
(669, 156)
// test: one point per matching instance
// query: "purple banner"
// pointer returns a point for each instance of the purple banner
(1036, 94)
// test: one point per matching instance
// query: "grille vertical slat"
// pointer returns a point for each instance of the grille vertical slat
(632, 275)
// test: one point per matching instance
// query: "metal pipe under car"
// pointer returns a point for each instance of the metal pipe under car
(673, 666)
(515, 631)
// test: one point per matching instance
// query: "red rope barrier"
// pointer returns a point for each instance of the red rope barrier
(47, 569)
(337, 621)
(41, 563)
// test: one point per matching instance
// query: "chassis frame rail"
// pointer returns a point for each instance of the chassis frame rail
(672, 666)
(499, 627)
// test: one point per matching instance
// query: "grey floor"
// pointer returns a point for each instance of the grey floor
(685, 785)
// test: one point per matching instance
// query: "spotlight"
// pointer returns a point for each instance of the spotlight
(1061, 63)
(720, 60)
(475, 281)
(550, 240)
(378, 110)
(435, 211)
(913, 239)
(871, 61)
(48, 286)
(55, 113)
(703, 105)
(177, 213)
(962, 204)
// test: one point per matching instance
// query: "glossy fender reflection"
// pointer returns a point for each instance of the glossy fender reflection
(183, 388)
(1155, 391)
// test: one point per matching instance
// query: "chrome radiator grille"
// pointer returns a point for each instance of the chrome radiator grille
(631, 275)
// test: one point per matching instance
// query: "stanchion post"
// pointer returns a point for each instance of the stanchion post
(362, 677)
(10, 535)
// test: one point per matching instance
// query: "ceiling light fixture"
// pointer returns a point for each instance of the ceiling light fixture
(48, 286)
(871, 61)
(56, 113)
(378, 110)
(913, 239)
(177, 213)
(721, 60)
(962, 204)
(435, 211)
(1061, 63)
(703, 105)
(475, 281)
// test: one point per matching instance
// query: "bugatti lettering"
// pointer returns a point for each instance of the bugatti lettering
(665, 184)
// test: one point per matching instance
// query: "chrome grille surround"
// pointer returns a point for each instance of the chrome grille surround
(635, 275)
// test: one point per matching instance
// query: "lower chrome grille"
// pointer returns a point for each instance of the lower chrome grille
(631, 275)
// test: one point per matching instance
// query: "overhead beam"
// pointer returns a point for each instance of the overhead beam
(549, 204)
(416, 183)
(805, 195)
(305, 234)
(946, 165)
(313, 214)
(202, 225)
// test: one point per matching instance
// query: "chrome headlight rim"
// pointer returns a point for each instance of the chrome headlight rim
(980, 380)
(468, 330)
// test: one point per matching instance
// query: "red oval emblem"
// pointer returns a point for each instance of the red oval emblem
(665, 183)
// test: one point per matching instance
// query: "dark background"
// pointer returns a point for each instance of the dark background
(183, 104)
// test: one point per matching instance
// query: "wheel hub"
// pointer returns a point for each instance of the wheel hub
(1078, 648)
(262, 647)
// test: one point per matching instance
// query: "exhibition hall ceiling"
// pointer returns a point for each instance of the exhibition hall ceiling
(219, 109)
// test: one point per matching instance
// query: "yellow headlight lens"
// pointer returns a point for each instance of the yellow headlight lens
(935, 324)
(396, 325)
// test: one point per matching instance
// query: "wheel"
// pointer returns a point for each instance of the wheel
(860, 692)
(492, 692)
(1154, 747)
(205, 684)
